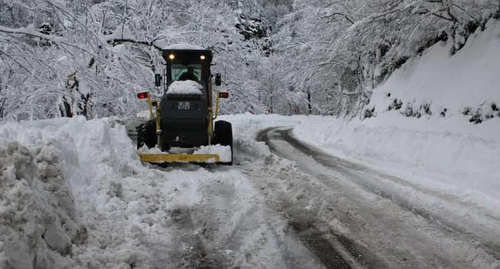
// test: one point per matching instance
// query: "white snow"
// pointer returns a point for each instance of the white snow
(73, 193)
(183, 46)
(123, 212)
(145, 150)
(224, 152)
(37, 214)
(467, 79)
(187, 87)
(437, 153)
(31, 31)
(447, 152)
(144, 114)
(69, 157)
(120, 33)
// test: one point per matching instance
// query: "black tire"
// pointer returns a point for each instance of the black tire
(223, 132)
(146, 134)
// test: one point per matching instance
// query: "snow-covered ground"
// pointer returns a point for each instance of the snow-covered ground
(75, 195)
(451, 155)
(425, 125)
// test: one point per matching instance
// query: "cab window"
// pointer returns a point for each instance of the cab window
(186, 72)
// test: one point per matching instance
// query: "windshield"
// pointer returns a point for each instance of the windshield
(186, 72)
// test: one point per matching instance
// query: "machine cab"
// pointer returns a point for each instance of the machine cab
(188, 64)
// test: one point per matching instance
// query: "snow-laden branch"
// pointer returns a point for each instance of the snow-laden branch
(126, 40)
(339, 14)
(30, 31)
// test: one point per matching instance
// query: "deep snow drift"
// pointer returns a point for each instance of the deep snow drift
(38, 223)
(47, 163)
(441, 85)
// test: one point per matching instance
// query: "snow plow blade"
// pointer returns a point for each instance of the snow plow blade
(180, 158)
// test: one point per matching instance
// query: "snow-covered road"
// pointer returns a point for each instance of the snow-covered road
(283, 204)
(376, 219)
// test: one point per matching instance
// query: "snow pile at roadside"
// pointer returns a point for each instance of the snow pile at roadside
(125, 214)
(187, 87)
(38, 222)
(113, 203)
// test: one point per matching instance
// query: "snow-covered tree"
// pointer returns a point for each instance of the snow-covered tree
(67, 57)
(346, 48)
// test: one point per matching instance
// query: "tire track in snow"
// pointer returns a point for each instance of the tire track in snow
(420, 242)
(328, 246)
(236, 221)
(227, 228)
(355, 171)
(187, 250)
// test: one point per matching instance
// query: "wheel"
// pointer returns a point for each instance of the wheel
(223, 132)
(146, 134)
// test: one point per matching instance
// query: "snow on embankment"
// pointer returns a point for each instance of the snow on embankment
(435, 121)
(440, 85)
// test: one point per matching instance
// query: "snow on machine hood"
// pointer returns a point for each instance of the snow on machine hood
(187, 87)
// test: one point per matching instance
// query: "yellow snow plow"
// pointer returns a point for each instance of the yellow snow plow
(182, 127)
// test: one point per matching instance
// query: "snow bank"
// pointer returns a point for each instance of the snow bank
(38, 223)
(187, 87)
(98, 162)
(447, 85)
(124, 212)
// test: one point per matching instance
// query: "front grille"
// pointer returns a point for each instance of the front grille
(184, 133)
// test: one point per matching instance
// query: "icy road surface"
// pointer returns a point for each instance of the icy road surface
(345, 209)
(298, 207)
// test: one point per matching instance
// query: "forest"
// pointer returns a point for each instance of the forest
(322, 57)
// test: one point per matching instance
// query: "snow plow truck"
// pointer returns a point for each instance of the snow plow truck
(182, 128)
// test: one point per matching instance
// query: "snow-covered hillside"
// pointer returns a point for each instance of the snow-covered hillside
(438, 84)
(436, 120)
(288, 56)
